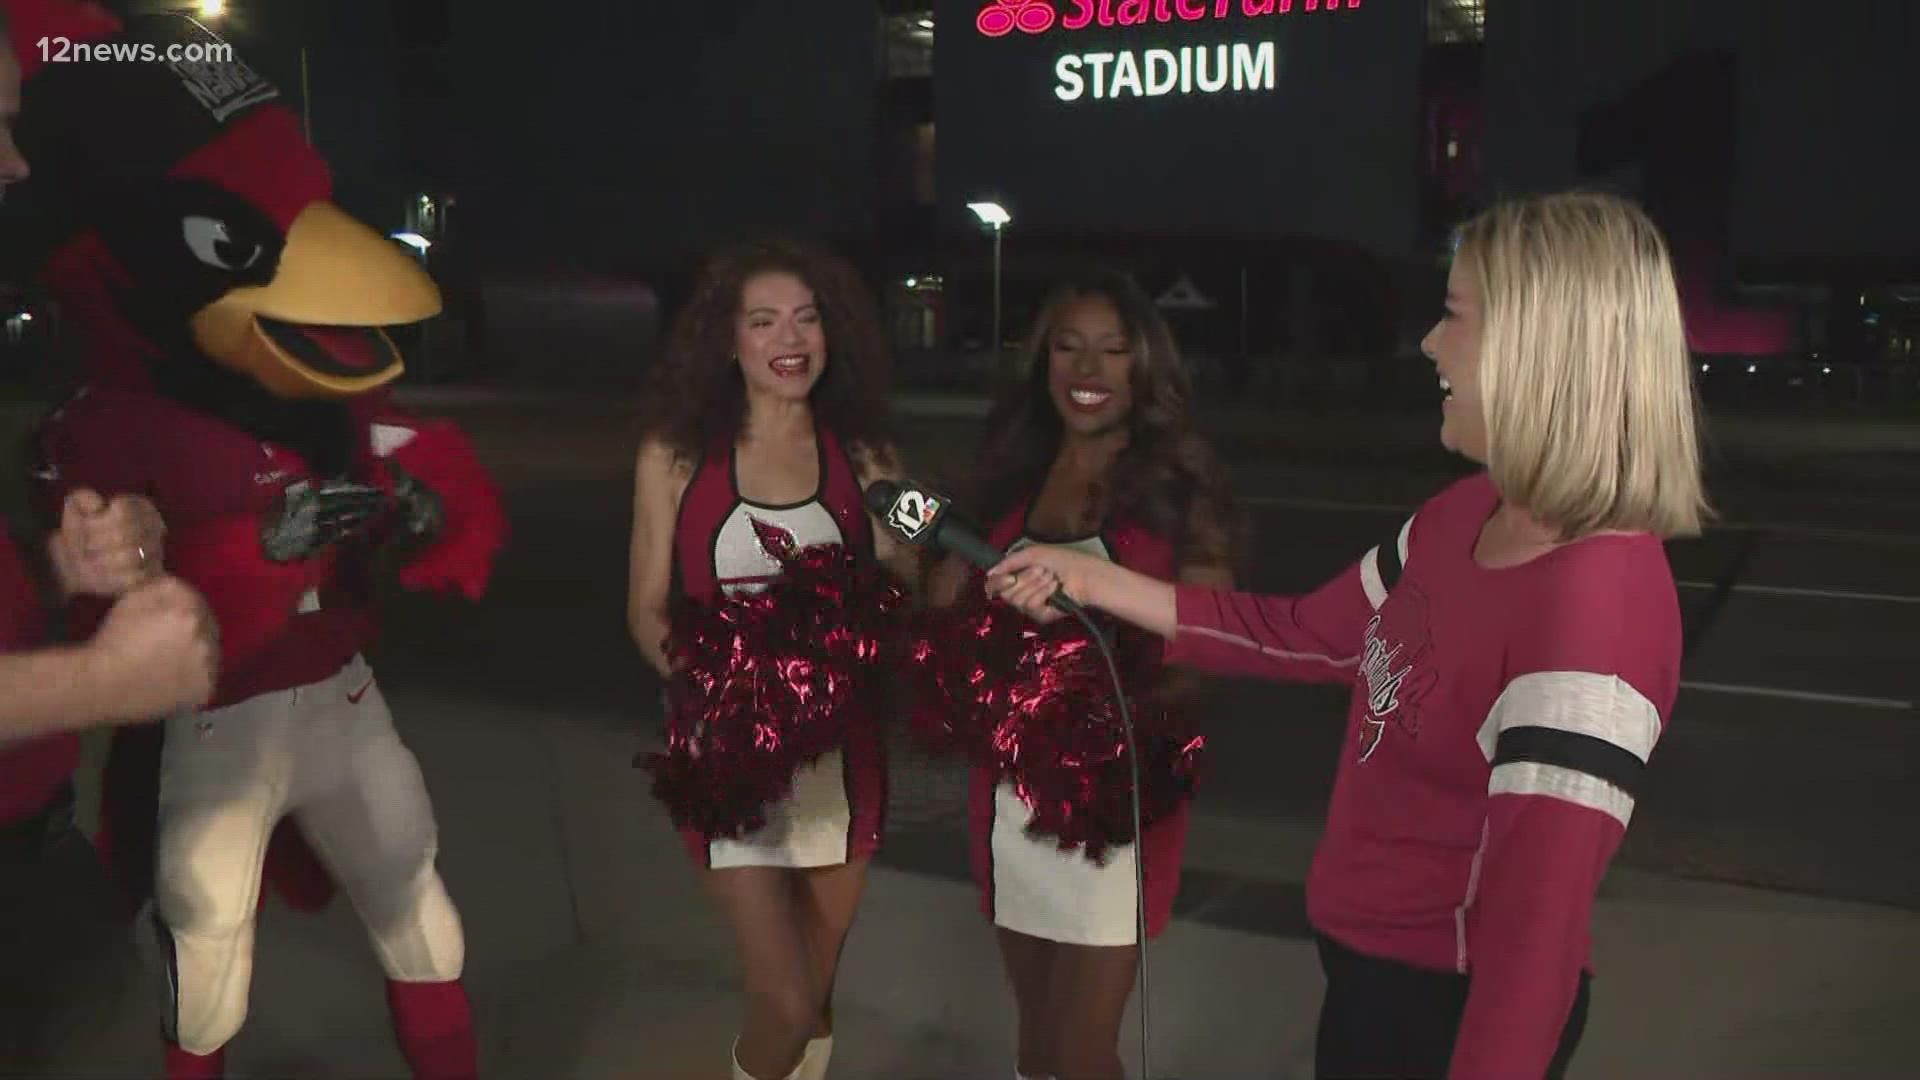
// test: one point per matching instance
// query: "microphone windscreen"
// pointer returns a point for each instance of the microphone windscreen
(880, 495)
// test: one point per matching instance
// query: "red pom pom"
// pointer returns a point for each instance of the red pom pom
(442, 459)
(767, 682)
(1035, 703)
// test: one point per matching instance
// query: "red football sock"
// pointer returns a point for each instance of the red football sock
(184, 1066)
(434, 1022)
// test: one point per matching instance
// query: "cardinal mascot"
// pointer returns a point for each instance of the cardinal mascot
(227, 317)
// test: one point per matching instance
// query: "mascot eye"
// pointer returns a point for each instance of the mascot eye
(212, 243)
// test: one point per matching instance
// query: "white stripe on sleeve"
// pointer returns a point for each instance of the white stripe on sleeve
(1370, 582)
(1559, 782)
(1582, 737)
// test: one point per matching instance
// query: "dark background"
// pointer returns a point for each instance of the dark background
(609, 133)
(1824, 162)
(583, 156)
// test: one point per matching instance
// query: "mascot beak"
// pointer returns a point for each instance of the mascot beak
(314, 330)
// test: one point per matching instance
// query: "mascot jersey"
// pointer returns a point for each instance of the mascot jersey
(227, 317)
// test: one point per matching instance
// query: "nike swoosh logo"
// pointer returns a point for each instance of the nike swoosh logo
(354, 698)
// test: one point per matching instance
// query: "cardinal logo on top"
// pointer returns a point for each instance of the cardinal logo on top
(775, 540)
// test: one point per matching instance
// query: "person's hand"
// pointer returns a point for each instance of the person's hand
(1028, 578)
(308, 517)
(104, 548)
(158, 650)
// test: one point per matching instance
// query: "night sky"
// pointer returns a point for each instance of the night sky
(1825, 158)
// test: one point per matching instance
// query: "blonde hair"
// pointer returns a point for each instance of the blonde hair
(1584, 372)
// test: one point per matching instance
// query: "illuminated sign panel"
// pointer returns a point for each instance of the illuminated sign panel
(1001, 17)
(1281, 115)
(1192, 68)
(1239, 65)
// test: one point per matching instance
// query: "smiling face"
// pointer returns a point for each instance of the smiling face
(779, 339)
(1454, 347)
(1090, 361)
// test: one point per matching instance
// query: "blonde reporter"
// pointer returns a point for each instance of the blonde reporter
(1513, 648)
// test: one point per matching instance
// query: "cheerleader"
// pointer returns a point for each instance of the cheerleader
(1091, 449)
(1513, 648)
(764, 423)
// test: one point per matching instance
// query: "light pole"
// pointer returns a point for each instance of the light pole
(995, 217)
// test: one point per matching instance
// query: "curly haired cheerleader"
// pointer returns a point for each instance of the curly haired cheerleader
(752, 573)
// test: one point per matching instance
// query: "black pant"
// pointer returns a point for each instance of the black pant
(64, 942)
(1382, 1019)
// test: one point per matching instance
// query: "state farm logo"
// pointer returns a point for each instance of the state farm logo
(1001, 17)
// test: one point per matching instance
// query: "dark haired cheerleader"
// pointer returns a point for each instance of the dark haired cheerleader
(764, 426)
(1091, 448)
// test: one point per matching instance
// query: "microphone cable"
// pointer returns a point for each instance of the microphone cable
(1073, 608)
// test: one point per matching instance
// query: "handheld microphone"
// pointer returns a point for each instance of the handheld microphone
(921, 517)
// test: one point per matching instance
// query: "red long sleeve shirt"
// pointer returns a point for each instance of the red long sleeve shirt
(1500, 720)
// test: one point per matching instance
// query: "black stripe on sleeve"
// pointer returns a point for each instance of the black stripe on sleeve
(1388, 561)
(1571, 750)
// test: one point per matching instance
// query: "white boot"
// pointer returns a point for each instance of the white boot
(799, 1073)
(814, 1065)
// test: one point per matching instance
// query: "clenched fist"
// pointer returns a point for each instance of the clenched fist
(104, 548)
(157, 651)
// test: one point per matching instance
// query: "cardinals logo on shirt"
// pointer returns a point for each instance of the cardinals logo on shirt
(1393, 666)
(775, 540)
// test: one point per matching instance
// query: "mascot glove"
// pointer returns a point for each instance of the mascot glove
(420, 514)
(308, 518)
(449, 505)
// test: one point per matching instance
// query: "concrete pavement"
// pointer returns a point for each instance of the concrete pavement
(593, 955)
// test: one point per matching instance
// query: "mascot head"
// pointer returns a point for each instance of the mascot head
(204, 258)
